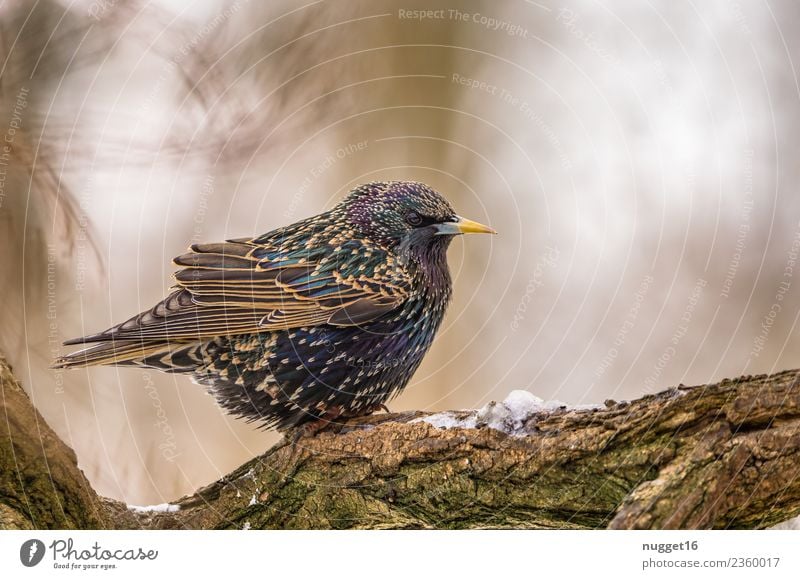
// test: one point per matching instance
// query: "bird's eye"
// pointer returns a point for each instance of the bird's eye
(413, 218)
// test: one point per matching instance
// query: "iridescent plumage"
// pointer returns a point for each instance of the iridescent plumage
(328, 317)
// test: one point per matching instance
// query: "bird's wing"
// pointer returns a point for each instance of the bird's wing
(246, 285)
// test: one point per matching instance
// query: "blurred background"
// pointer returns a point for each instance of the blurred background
(639, 162)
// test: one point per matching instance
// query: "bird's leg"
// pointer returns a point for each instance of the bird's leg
(309, 429)
(370, 410)
(326, 421)
(315, 427)
(375, 421)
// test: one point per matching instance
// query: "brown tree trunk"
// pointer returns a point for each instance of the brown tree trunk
(724, 455)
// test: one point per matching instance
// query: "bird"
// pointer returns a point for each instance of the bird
(322, 320)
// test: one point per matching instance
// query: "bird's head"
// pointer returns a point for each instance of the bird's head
(406, 216)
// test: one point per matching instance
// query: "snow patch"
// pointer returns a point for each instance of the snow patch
(508, 416)
(449, 420)
(252, 501)
(511, 414)
(246, 526)
(162, 508)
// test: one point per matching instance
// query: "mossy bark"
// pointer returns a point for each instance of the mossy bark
(41, 485)
(725, 455)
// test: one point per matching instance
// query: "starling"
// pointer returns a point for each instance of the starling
(326, 318)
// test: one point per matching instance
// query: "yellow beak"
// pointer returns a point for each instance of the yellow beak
(462, 225)
(469, 226)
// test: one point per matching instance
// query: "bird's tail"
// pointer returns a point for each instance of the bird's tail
(112, 352)
(180, 357)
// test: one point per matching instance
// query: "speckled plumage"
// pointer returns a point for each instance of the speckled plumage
(328, 317)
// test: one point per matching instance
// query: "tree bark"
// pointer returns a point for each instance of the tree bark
(725, 455)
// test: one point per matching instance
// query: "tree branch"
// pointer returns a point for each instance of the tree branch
(725, 455)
